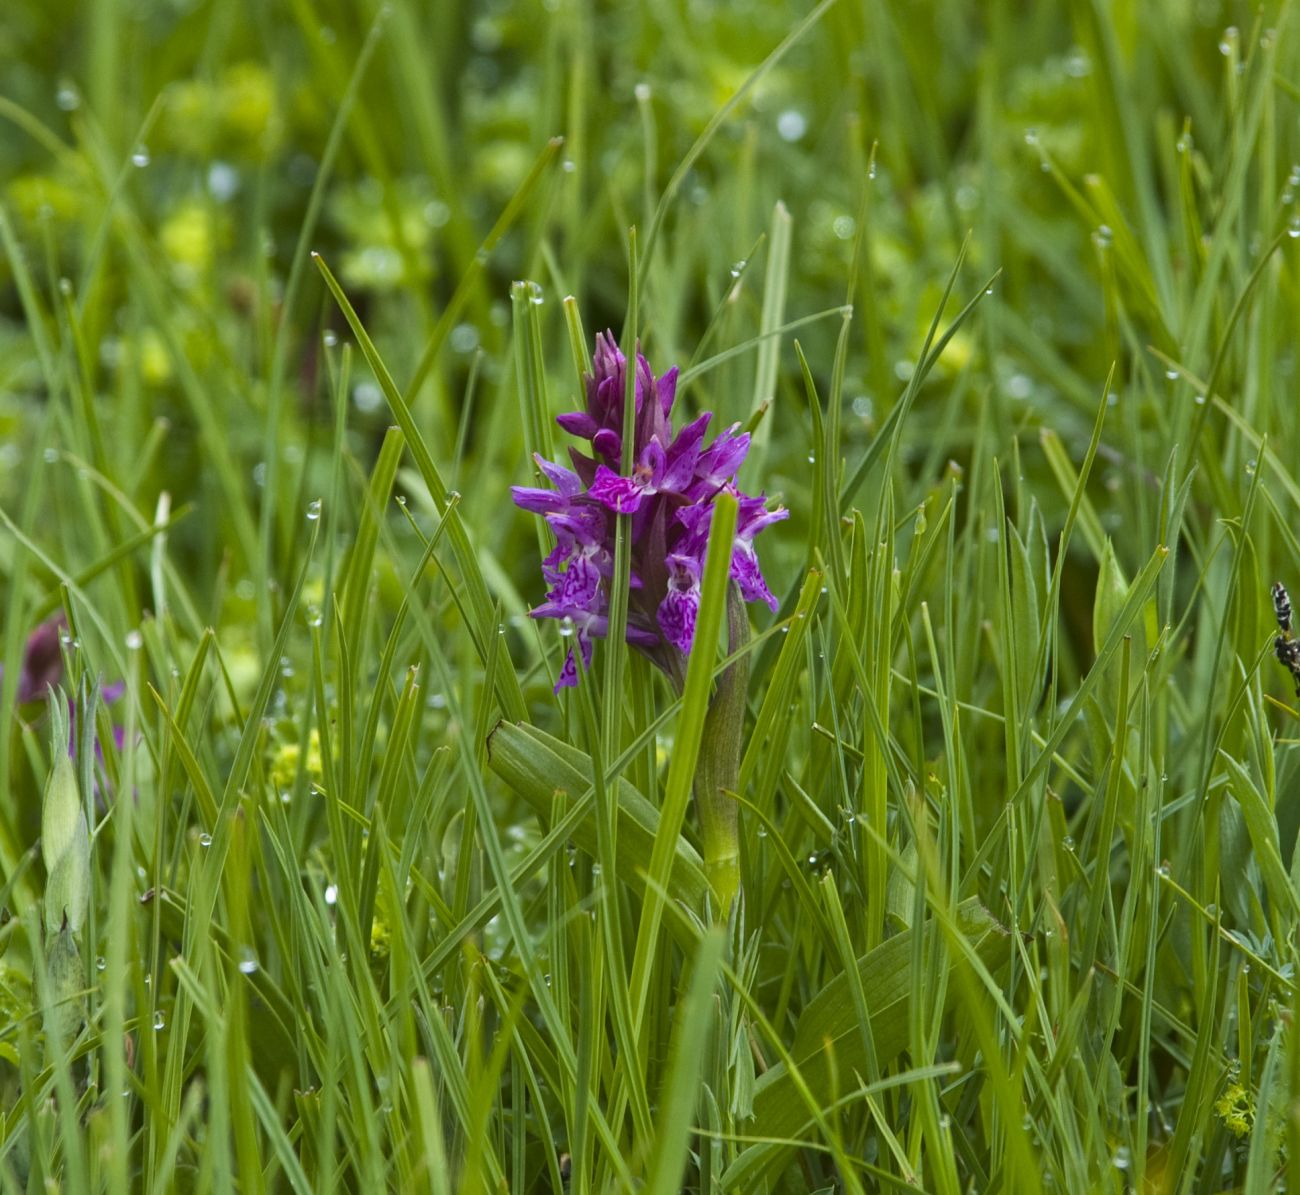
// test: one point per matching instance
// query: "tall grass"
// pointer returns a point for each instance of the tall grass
(1008, 295)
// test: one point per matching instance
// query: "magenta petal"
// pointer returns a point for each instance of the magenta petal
(621, 494)
(577, 423)
(565, 480)
(676, 617)
(568, 674)
(538, 501)
(668, 391)
(608, 443)
(746, 573)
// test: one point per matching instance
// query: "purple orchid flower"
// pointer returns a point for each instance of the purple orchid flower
(42, 661)
(670, 494)
(42, 670)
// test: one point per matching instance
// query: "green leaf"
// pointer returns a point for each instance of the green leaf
(829, 1027)
(549, 774)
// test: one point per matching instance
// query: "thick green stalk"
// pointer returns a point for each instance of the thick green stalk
(717, 773)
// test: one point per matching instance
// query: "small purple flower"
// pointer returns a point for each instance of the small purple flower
(42, 660)
(42, 670)
(670, 494)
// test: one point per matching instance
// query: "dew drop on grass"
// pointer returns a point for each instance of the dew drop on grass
(313, 509)
(159, 1021)
(1031, 136)
(367, 396)
(1293, 228)
(247, 961)
(140, 157)
(329, 338)
(50, 455)
(1122, 1159)
(791, 125)
(331, 894)
(100, 962)
(205, 840)
(68, 98)
(134, 641)
(1199, 400)
(1171, 374)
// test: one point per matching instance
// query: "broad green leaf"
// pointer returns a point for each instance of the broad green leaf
(829, 1026)
(543, 770)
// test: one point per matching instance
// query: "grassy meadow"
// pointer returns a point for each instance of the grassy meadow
(322, 887)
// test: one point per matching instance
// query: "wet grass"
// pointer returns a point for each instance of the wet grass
(1008, 295)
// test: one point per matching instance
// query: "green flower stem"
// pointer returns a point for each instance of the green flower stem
(717, 772)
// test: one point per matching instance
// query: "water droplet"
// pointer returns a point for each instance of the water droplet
(367, 397)
(1199, 400)
(642, 93)
(134, 641)
(791, 125)
(1171, 374)
(1228, 42)
(1293, 227)
(329, 338)
(1068, 842)
(67, 97)
(205, 840)
(1251, 466)
(463, 338)
(223, 181)
(313, 509)
(259, 473)
(331, 894)
(1077, 64)
(1122, 1159)
(1103, 236)
(140, 157)
(812, 459)
(1031, 136)
(50, 455)
(100, 962)
(247, 961)
(159, 1021)
(1184, 143)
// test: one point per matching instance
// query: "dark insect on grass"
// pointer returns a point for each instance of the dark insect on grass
(1285, 646)
(1282, 607)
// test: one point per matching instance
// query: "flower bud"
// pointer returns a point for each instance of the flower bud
(65, 837)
